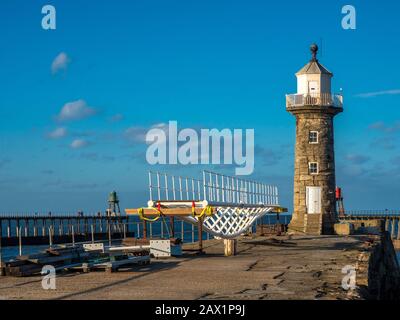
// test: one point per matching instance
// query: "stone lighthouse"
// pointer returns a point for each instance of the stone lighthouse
(314, 107)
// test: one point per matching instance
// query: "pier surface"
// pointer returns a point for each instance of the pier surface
(303, 267)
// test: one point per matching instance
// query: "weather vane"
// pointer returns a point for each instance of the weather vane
(314, 50)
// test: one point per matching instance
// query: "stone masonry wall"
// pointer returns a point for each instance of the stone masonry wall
(323, 153)
(378, 273)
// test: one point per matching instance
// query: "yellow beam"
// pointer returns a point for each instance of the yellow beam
(149, 212)
(152, 212)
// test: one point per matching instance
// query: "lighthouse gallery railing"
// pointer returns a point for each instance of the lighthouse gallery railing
(314, 99)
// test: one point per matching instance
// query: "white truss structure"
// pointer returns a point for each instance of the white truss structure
(238, 203)
(230, 222)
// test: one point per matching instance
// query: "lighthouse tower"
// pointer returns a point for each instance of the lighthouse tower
(314, 107)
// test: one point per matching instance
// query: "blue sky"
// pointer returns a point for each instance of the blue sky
(128, 65)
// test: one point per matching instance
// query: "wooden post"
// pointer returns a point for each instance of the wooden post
(43, 227)
(26, 227)
(182, 230)
(78, 226)
(230, 246)
(20, 241)
(109, 235)
(92, 230)
(261, 227)
(51, 236)
(144, 229)
(18, 228)
(61, 222)
(200, 234)
(52, 224)
(9, 229)
(95, 224)
(86, 226)
(398, 229)
(34, 227)
(393, 227)
(73, 235)
(172, 226)
(386, 224)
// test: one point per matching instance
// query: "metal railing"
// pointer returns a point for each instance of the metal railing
(314, 99)
(163, 186)
(225, 189)
(372, 213)
(214, 187)
(59, 215)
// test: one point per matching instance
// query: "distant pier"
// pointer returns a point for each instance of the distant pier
(366, 220)
(41, 229)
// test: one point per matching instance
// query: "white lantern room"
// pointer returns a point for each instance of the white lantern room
(314, 79)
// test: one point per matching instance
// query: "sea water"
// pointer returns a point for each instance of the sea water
(11, 252)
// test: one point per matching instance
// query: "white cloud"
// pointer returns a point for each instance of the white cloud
(135, 134)
(161, 125)
(60, 63)
(381, 126)
(57, 133)
(377, 125)
(378, 93)
(117, 117)
(138, 134)
(357, 158)
(75, 110)
(79, 143)
(353, 170)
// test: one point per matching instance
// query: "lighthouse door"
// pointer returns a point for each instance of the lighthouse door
(313, 199)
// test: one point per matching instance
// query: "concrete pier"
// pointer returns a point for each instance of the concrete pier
(299, 267)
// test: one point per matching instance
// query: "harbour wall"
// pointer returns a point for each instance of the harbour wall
(378, 272)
